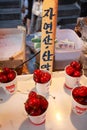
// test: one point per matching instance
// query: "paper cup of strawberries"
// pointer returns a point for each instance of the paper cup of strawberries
(8, 80)
(73, 73)
(79, 100)
(42, 79)
(36, 107)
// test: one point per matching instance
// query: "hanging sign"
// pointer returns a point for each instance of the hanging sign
(49, 22)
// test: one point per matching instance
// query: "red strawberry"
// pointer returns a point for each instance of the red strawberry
(70, 70)
(34, 103)
(3, 78)
(37, 73)
(35, 113)
(77, 73)
(82, 91)
(11, 75)
(43, 79)
(43, 102)
(36, 79)
(78, 67)
(6, 70)
(74, 64)
(47, 75)
(79, 100)
(32, 94)
(75, 92)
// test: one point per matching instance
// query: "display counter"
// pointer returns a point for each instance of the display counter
(59, 114)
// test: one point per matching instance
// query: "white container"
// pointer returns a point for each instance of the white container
(78, 108)
(71, 82)
(38, 120)
(43, 88)
(12, 44)
(10, 87)
(63, 56)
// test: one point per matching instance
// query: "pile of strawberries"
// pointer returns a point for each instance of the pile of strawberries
(7, 75)
(74, 69)
(80, 94)
(41, 76)
(35, 104)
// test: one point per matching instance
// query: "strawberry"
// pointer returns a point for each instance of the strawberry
(43, 102)
(35, 113)
(70, 70)
(47, 75)
(74, 64)
(32, 94)
(6, 70)
(34, 103)
(43, 79)
(82, 91)
(37, 73)
(11, 75)
(78, 66)
(75, 92)
(41, 76)
(3, 78)
(77, 73)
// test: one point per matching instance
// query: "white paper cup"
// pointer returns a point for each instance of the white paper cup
(78, 108)
(43, 88)
(38, 120)
(11, 86)
(71, 82)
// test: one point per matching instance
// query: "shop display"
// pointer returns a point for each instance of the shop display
(33, 99)
(25, 112)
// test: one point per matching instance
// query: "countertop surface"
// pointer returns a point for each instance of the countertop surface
(59, 114)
